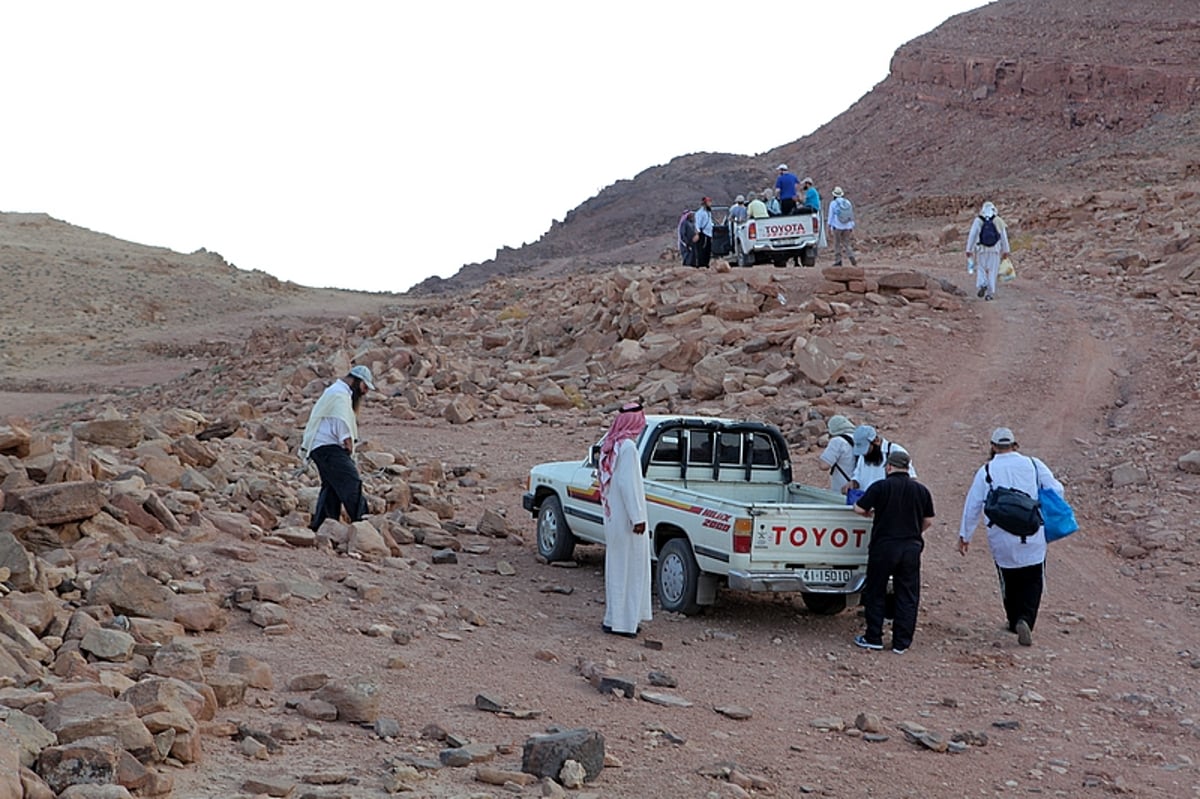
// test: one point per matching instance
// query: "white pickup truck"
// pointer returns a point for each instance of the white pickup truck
(723, 512)
(778, 239)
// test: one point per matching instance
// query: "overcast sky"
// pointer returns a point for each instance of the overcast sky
(369, 145)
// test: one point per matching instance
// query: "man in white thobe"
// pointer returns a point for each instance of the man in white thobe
(627, 541)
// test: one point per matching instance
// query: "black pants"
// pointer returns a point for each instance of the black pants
(901, 561)
(787, 207)
(341, 486)
(1021, 591)
(703, 250)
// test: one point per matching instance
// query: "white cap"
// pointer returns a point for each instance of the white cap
(782, 167)
(1003, 437)
(363, 374)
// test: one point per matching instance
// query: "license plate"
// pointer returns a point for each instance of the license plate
(826, 576)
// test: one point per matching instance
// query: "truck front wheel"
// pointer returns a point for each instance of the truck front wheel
(824, 604)
(677, 578)
(555, 541)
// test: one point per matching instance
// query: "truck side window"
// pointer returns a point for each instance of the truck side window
(762, 453)
(700, 447)
(667, 449)
(729, 452)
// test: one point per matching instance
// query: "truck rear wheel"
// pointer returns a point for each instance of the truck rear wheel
(808, 256)
(677, 578)
(555, 541)
(824, 604)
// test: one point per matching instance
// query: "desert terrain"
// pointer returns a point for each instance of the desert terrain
(352, 665)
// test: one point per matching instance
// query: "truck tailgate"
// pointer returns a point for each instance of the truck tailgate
(817, 547)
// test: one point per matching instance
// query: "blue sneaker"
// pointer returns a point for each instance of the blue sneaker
(862, 641)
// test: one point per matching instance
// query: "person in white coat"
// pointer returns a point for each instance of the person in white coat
(626, 539)
(988, 248)
(1020, 560)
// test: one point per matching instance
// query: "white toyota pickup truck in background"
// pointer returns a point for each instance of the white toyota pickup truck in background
(777, 239)
(723, 511)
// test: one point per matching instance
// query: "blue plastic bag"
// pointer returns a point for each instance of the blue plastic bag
(853, 495)
(1057, 517)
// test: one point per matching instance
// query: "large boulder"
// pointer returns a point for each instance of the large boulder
(121, 433)
(544, 755)
(88, 714)
(21, 566)
(128, 590)
(10, 764)
(57, 503)
(356, 699)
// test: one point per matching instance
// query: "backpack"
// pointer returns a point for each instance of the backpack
(844, 213)
(1011, 509)
(988, 234)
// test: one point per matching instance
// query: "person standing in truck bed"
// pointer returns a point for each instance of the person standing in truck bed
(786, 185)
(757, 208)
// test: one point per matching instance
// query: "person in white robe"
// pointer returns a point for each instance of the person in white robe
(627, 541)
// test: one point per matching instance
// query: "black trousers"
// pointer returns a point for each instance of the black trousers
(1021, 591)
(703, 250)
(787, 207)
(341, 487)
(901, 561)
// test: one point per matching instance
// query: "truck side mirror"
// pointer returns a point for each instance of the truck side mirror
(594, 455)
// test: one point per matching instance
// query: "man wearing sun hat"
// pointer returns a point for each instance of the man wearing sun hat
(839, 452)
(329, 439)
(1020, 560)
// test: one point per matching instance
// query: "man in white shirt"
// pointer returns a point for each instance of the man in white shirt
(329, 439)
(841, 222)
(871, 450)
(1020, 560)
(704, 232)
(839, 452)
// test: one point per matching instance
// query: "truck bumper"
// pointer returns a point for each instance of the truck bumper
(788, 581)
(527, 503)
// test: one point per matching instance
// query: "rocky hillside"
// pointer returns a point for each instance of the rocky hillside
(1008, 101)
(170, 626)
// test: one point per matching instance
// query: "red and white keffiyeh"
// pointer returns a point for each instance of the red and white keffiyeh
(629, 424)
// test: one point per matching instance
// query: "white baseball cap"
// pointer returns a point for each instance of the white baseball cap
(363, 374)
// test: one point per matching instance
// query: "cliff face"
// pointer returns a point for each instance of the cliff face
(1077, 64)
(1002, 100)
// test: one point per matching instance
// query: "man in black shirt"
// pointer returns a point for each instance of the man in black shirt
(902, 510)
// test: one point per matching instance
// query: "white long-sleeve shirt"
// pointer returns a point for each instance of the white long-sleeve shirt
(833, 222)
(865, 473)
(1011, 470)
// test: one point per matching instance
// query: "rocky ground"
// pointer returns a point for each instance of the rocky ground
(170, 625)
